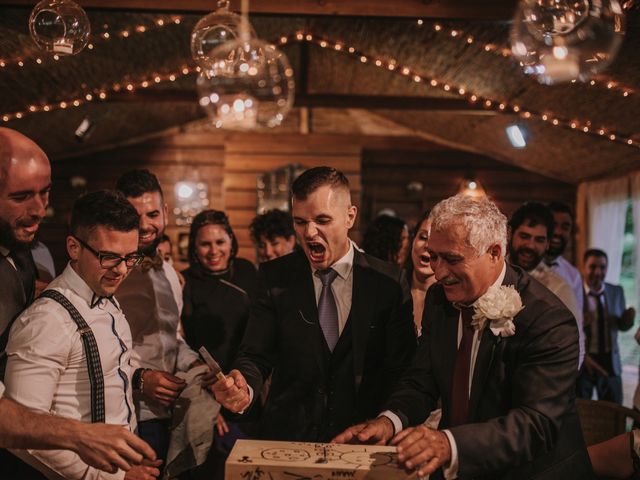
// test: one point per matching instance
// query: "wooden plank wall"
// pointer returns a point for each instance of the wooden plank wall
(387, 172)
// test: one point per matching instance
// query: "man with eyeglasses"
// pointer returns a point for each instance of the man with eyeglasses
(68, 353)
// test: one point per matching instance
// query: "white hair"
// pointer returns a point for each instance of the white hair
(483, 222)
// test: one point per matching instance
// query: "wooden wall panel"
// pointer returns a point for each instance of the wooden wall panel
(387, 172)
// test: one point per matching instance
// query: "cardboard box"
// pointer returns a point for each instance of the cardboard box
(267, 460)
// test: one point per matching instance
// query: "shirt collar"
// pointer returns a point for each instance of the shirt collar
(80, 288)
(588, 289)
(4, 251)
(344, 265)
(500, 278)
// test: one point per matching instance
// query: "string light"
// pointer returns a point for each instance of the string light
(104, 35)
(582, 126)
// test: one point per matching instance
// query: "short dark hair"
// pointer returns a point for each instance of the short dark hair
(595, 252)
(310, 180)
(535, 213)
(136, 183)
(560, 207)
(210, 217)
(107, 208)
(383, 237)
(271, 224)
(165, 238)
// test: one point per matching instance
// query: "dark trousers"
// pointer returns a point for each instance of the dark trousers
(607, 388)
(156, 433)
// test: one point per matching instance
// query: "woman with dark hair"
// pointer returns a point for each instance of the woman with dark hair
(217, 295)
(387, 238)
(218, 288)
(419, 270)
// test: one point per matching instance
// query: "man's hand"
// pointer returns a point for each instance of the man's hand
(109, 447)
(221, 425)
(422, 448)
(629, 315)
(374, 432)
(233, 393)
(147, 471)
(162, 387)
(208, 379)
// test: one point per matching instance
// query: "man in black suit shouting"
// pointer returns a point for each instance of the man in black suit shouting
(328, 323)
(500, 350)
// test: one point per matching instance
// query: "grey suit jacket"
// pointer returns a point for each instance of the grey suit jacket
(522, 416)
(615, 305)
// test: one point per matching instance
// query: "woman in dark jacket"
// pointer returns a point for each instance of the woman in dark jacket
(218, 288)
(217, 296)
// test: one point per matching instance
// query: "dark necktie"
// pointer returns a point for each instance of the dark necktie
(601, 322)
(327, 309)
(25, 267)
(461, 367)
(96, 299)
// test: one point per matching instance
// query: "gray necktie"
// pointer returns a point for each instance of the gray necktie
(327, 309)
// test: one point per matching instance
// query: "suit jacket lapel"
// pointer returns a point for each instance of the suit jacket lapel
(304, 298)
(487, 352)
(364, 287)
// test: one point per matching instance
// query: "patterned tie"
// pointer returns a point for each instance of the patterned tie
(461, 367)
(601, 322)
(327, 309)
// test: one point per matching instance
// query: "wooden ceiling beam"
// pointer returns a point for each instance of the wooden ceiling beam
(368, 102)
(445, 9)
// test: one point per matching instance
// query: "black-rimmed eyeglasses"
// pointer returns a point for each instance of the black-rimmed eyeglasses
(112, 260)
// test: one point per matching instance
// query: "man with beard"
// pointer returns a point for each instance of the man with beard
(328, 322)
(151, 298)
(562, 230)
(529, 230)
(25, 182)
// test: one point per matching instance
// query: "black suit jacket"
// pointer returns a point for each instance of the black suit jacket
(282, 336)
(13, 297)
(522, 416)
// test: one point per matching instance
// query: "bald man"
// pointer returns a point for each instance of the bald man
(329, 324)
(25, 182)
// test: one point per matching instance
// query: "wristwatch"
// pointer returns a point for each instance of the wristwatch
(137, 381)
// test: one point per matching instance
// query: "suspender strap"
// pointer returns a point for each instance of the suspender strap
(91, 353)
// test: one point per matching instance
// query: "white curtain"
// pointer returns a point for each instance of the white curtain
(635, 198)
(607, 207)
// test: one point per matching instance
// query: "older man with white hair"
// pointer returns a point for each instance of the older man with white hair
(500, 351)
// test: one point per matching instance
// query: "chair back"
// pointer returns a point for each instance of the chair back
(602, 420)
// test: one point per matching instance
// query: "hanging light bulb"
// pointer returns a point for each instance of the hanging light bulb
(563, 40)
(214, 29)
(59, 26)
(250, 84)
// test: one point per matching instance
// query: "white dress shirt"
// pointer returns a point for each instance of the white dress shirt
(1, 389)
(152, 302)
(342, 286)
(562, 289)
(571, 275)
(451, 471)
(47, 369)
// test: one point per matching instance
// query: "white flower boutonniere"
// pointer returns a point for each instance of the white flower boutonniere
(499, 305)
